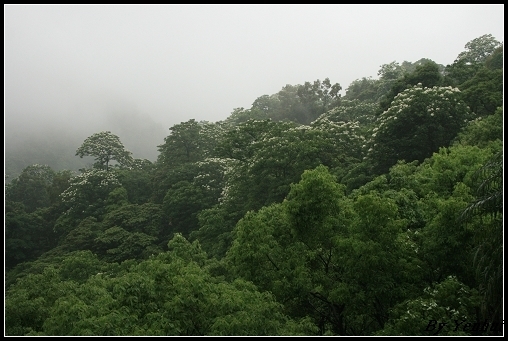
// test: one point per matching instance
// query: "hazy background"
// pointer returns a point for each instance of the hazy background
(73, 70)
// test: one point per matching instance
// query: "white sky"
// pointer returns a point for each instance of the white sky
(89, 66)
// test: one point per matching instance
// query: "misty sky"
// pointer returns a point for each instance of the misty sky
(92, 67)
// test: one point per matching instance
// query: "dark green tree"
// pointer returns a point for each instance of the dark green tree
(32, 187)
(483, 130)
(479, 49)
(87, 196)
(426, 74)
(364, 89)
(183, 145)
(317, 98)
(483, 93)
(488, 256)
(418, 122)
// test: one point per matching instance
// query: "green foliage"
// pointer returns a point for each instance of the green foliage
(357, 175)
(185, 199)
(445, 246)
(307, 214)
(87, 183)
(28, 303)
(181, 205)
(275, 155)
(146, 218)
(490, 188)
(483, 130)
(449, 301)
(340, 144)
(180, 247)
(419, 121)
(32, 187)
(427, 74)
(117, 245)
(339, 261)
(137, 182)
(279, 161)
(445, 169)
(256, 254)
(17, 224)
(169, 294)
(258, 112)
(189, 143)
(378, 269)
(116, 199)
(298, 103)
(36, 191)
(182, 145)
(351, 110)
(27, 235)
(478, 72)
(78, 266)
(391, 71)
(317, 98)
(459, 72)
(82, 237)
(483, 93)
(61, 181)
(105, 147)
(286, 252)
(268, 105)
(495, 60)
(478, 49)
(488, 256)
(240, 142)
(87, 195)
(215, 230)
(313, 205)
(364, 90)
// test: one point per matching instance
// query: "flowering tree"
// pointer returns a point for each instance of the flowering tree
(88, 192)
(342, 141)
(351, 110)
(448, 300)
(418, 122)
(105, 147)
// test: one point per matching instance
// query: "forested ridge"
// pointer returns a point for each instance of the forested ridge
(374, 213)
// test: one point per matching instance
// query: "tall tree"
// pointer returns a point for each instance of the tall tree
(183, 144)
(478, 49)
(317, 98)
(105, 147)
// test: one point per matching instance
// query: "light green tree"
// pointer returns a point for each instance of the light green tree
(105, 147)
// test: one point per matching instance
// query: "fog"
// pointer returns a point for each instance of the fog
(73, 70)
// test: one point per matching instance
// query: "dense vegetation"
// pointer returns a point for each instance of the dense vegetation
(374, 213)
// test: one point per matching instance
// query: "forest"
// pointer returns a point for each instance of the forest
(374, 213)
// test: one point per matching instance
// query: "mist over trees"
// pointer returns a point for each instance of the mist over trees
(375, 213)
(56, 145)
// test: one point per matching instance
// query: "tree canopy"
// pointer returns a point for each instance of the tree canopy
(379, 213)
